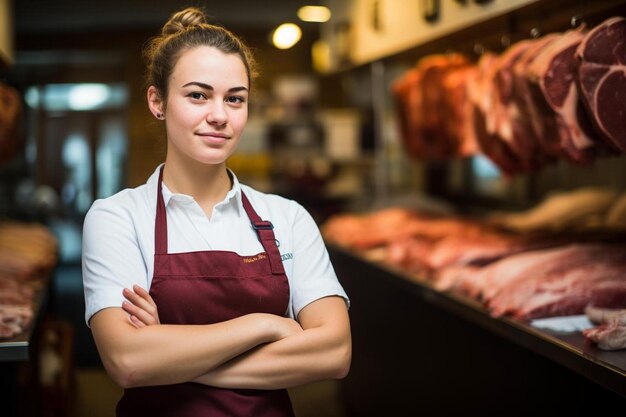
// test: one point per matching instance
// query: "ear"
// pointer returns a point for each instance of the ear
(155, 103)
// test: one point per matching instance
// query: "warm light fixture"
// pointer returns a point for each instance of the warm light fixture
(286, 35)
(87, 96)
(314, 13)
(321, 56)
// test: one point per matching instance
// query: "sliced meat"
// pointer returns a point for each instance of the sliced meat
(606, 315)
(602, 79)
(593, 274)
(556, 68)
(607, 336)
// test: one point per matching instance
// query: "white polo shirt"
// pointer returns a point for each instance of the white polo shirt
(118, 241)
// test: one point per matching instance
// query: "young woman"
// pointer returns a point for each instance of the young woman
(206, 297)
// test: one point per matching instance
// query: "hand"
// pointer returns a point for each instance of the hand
(140, 306)
(285, 327)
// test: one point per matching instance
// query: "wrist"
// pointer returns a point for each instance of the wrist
(266, 327)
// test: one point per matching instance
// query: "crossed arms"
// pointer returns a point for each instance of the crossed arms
(260, 351)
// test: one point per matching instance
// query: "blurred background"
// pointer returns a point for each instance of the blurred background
(330, 126)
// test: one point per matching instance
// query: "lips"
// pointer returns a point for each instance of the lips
(214, 135)
(214, 138)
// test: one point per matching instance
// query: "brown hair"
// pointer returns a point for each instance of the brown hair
(184, 30)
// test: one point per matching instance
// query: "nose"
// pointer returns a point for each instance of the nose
(216, 113)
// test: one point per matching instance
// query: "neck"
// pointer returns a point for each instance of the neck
(207, 184)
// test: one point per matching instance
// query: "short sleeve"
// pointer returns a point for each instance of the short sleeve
(111, 257)
(313, 274)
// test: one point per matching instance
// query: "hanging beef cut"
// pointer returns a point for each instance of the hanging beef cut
(513, 125)
(602, 79)
(480, 93)
(555, 68)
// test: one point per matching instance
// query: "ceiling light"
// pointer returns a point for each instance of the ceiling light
(88, 96)
(286, 35)
(314, 13)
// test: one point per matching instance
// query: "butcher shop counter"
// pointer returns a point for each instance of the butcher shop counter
(19, 351)
(419, 351)
(19, 348)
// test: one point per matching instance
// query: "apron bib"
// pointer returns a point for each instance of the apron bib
(207, 287)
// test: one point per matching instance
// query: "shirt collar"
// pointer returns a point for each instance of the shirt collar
(233, 196)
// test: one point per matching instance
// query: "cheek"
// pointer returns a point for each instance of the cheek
(239, 120)
(188, 116)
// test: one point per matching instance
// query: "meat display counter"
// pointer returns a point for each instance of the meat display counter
(19, 347)
(18, 359)
(419, 351)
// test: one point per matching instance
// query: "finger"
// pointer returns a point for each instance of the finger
(145, 317)
(136, 322)
(147, 305)
(144, 294)
(153, 309)
(140, 302)
(143, 299)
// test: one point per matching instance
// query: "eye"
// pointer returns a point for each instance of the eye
(196, 95)
(235, 99)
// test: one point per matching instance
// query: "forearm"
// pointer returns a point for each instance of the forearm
(290, 362)
(322, 351)
(169, 354)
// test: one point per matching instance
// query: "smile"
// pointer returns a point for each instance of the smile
(214, 138)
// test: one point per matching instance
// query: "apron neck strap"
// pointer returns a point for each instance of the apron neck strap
(265, 232)
(263, 228)
(160, 223)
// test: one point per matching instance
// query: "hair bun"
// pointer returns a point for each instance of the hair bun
(181, 20)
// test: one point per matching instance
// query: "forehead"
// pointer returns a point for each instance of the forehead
(210, 65)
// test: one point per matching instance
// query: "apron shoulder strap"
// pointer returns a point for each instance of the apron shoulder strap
(160, 223)
(265, 232)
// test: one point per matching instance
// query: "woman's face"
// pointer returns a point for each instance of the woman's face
(207, 105)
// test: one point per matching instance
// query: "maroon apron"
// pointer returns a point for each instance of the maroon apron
(208, 287)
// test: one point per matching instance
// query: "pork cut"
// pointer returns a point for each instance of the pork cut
(602, 79)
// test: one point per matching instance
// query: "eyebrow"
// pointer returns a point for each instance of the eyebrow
(210, 87)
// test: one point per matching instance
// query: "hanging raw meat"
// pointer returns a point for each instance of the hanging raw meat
(510, 121)
(480, 94)
(555, 69)
(430, 105)
(458, 110)
(602, 79)
(407, 94)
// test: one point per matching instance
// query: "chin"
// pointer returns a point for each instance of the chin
(213, 160)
